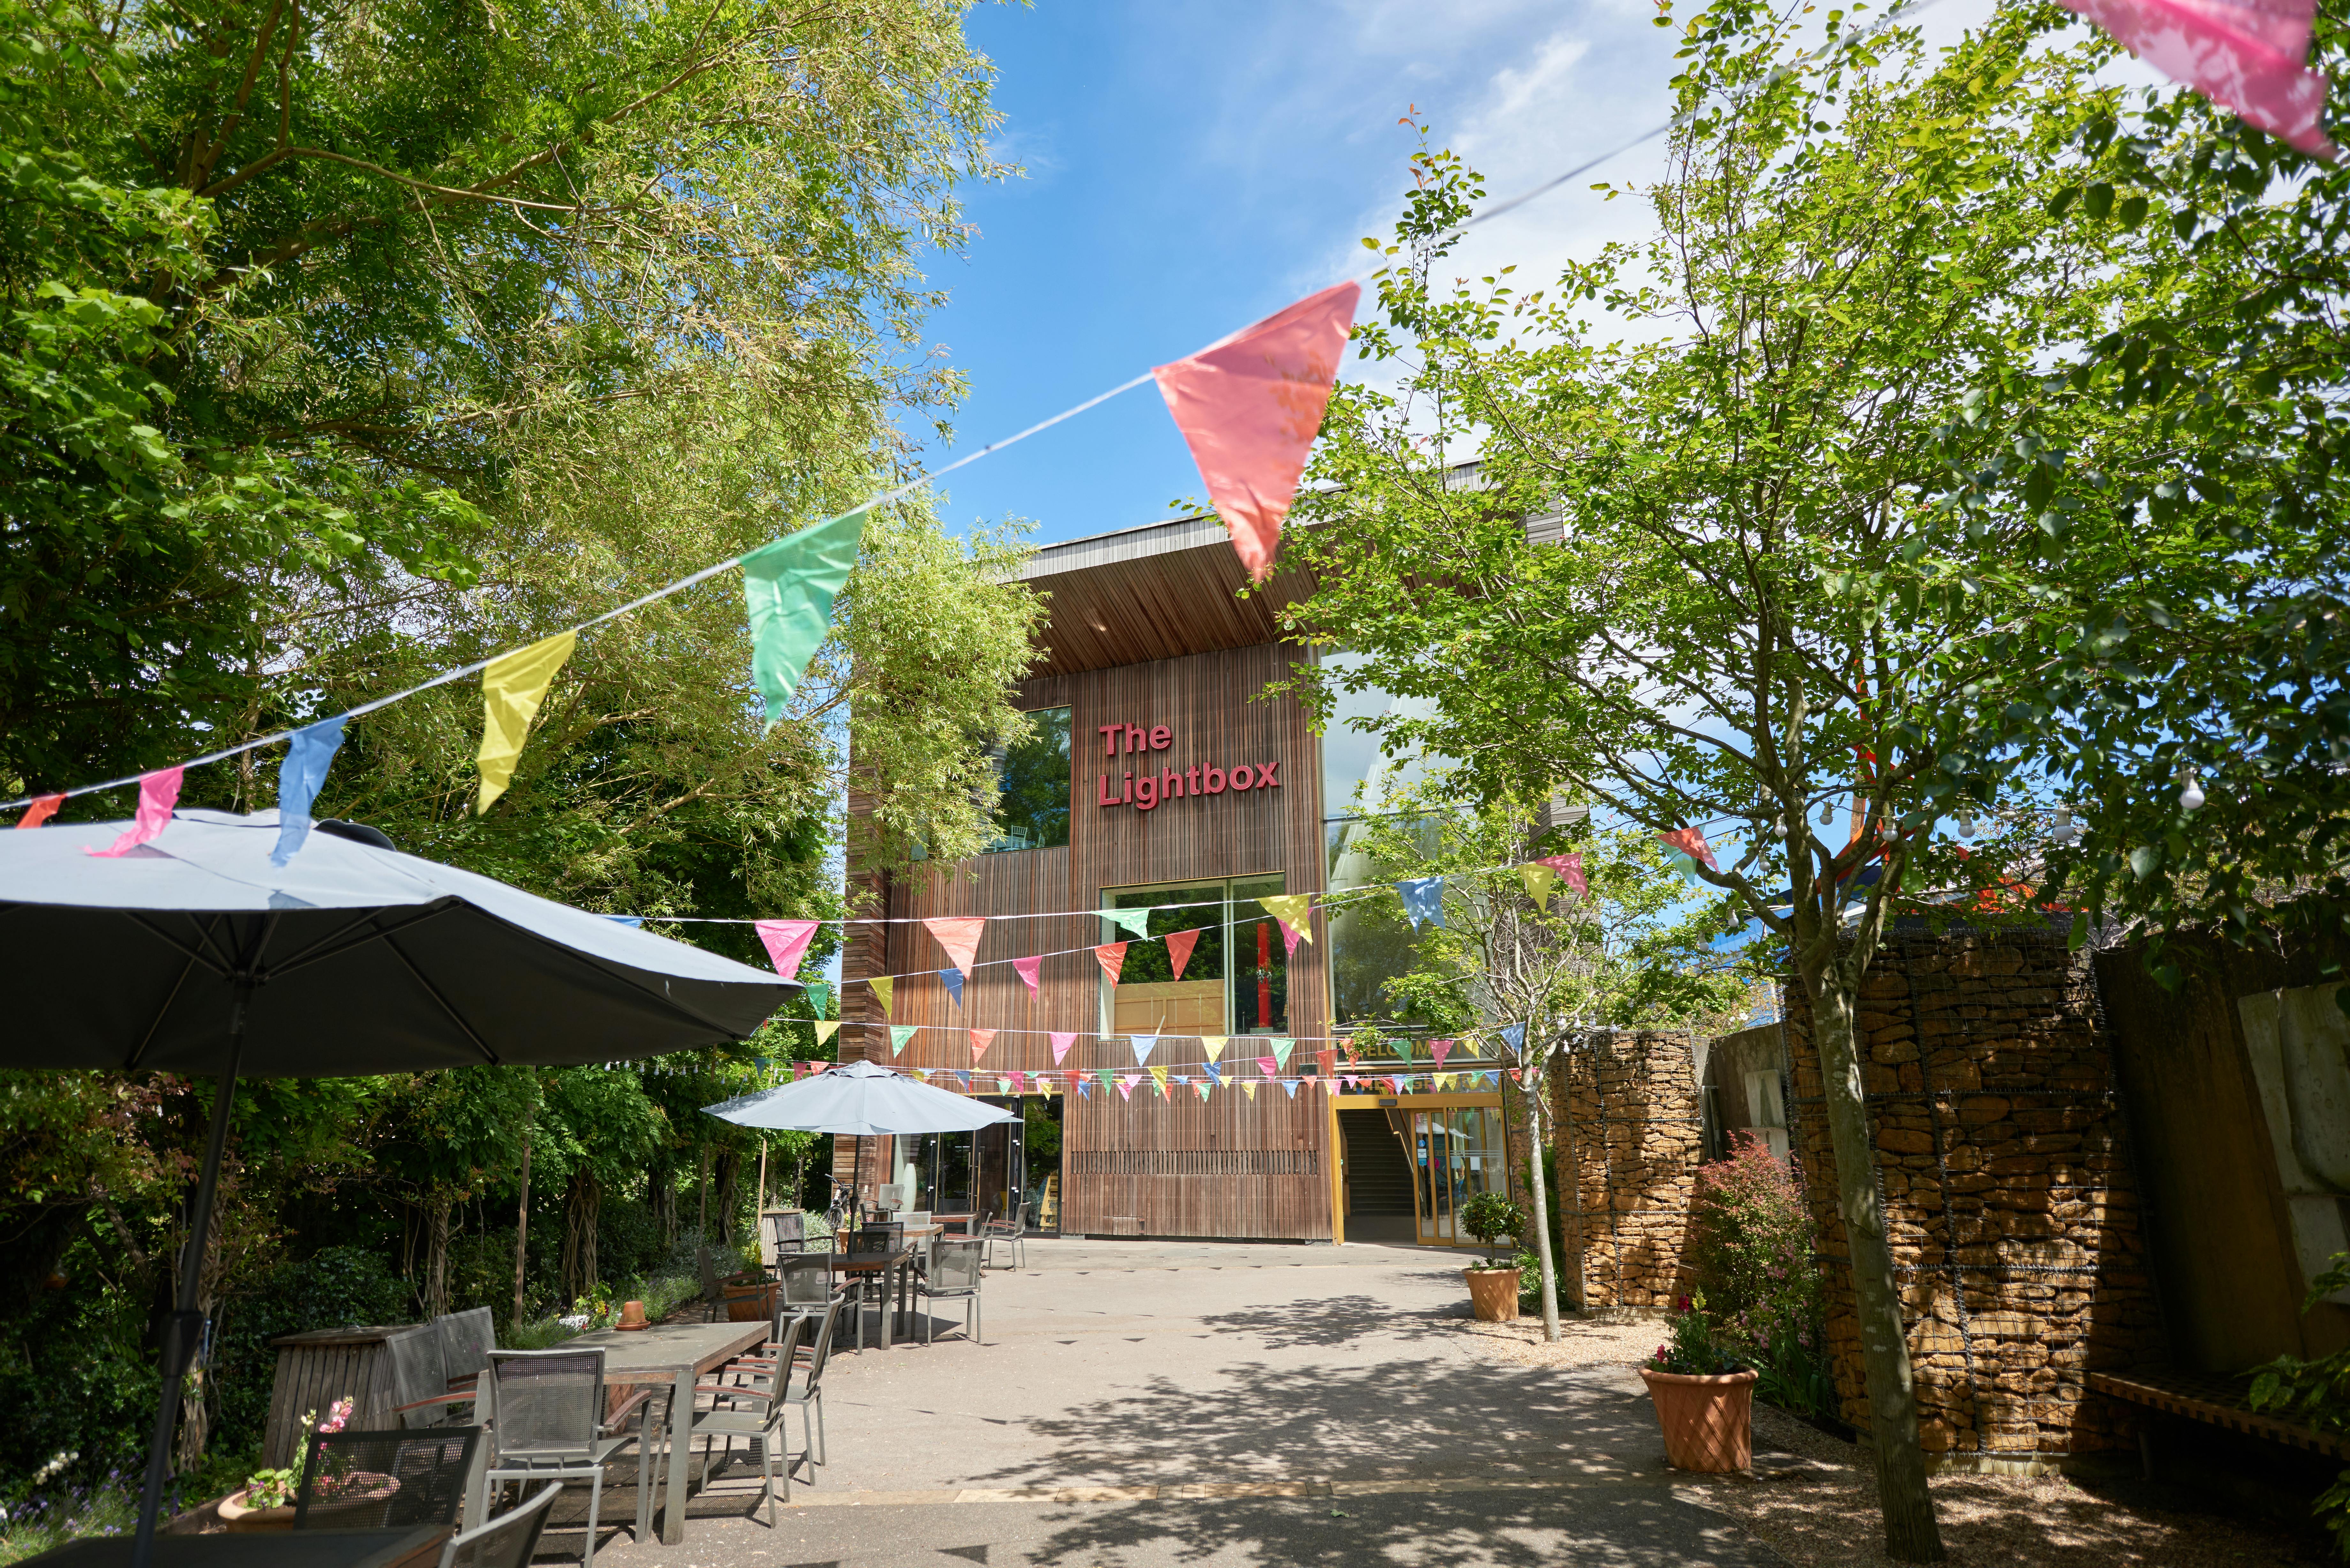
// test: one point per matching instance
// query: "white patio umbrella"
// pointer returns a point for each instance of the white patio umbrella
(859, 1100)
(193, 953)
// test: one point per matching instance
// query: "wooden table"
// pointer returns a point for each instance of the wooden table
(678, 1355)
(890, 1265)
(963, 1220)
(415, 1547)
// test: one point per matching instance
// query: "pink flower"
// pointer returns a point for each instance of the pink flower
(338, 1416)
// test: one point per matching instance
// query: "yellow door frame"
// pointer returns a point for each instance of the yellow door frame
(1336, 1141)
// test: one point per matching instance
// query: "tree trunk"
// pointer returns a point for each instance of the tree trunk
(729, 1176)
(522, 1230)
(1532, 1084)
(436, 1253)
(702, 1198)
(1570, 1182)
(1911, 1535)
(582, 1202)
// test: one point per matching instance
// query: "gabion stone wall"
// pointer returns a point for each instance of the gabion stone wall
(2004, 1157)
(1629, 1137)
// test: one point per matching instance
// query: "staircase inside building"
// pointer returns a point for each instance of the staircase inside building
(1378, 1180)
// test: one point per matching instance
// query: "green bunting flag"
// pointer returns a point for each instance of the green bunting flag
(788, 592)
(1136, 922)
(898, 1035)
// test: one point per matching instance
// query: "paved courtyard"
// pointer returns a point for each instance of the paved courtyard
(1143, 1403)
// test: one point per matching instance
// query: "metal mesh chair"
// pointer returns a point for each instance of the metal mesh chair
(713, 1288)
(1012, 1232)
(750, 1410)
(782, 1232)
(466, 1340)
(808, 1392)
(547, 1421)
(955, 1273)
(419, 1366)
(509, 1540)
(383, 1480)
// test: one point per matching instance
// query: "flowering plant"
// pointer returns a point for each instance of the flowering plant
(1695, 1350)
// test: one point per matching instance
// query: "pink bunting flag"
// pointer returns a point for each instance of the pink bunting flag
(159, 792)
(1016, 1081)
(1569, 868)
(1396, 1084)
(1113, 959)
(1518, 1076)
(980, 1039)
(1268, 1067)
(39, 809)
(1250, 408)
(960, 935)
(1179, 949)
(1439, 1049)
(2247, 56)
(1026, 968)
(786, 942)
(1690, 841)
(1061, 1044)
(1126, 1081)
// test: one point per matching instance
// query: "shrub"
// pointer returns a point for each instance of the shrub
(1490, 1216)
(1750, 1247)
(1695, 1347)
(2317, 1394)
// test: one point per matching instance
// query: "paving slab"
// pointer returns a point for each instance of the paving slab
(1148, 1402)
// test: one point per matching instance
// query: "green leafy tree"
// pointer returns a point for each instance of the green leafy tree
(1840, 253)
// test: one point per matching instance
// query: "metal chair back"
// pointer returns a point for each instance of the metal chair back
(806, 1281)
(509, 1540)
(820, 1350)
(419, 1364)
(880, 1238)
(546, 1405)
(384, 1480)
(955, 1267)
(466, 1340)
(782, 1232)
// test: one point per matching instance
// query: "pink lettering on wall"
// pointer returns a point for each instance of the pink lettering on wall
(1150, 791)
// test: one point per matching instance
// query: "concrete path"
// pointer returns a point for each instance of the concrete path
(1145, 1402)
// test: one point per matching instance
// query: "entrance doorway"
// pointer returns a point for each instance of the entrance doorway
(1457, 1152)
(1414, 1161)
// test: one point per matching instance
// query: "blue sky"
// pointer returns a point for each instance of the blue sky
(1193, 167)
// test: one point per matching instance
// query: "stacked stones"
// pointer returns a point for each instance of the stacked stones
(1630, 1139)
(2003, 1155)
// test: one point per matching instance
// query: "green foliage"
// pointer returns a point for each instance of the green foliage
(1694, 1346)
(1751, 1245)
(1491, 1218)
(2317, 1395)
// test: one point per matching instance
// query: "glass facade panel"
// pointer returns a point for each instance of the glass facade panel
(1032, 810)
(1236, 981)
(1458, 1152)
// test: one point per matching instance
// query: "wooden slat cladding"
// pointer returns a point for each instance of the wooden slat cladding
(1127, 612)
(1236, 1165)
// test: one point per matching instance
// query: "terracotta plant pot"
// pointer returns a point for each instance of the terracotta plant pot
(236, 1515)
(632, 1316)
(1493, 1293)
(750, 1303)
(1708, 1422)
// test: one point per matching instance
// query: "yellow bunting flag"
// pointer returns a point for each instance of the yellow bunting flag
(1540, 879)
(826, 1028)
(1290, 910)
(882, 985)
(513, 686)
(1248, 1087)
(1160, 1073)
(1213, 1045)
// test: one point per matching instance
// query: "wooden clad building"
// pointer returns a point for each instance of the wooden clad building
(1161, 778)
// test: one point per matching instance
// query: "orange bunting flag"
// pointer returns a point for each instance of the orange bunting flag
(1179, 949)
(1250, 408)
(1690, 841)
(960, 935)
(980, 1039)
(43, 807)
(1113, 959)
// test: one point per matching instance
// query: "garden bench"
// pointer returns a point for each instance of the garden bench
(2214, 1398)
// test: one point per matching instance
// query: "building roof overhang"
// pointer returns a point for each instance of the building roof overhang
(1163, 590)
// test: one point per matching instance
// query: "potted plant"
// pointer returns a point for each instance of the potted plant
(1491, 1217)
(1704, 1394)
(265, 1502)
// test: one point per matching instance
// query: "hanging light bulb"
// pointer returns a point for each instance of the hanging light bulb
(1884, 834)
(2191, 798)
(1966, 824)
(1828, 814)
(2065, 831)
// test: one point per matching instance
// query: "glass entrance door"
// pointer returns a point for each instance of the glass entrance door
(1458, 1151)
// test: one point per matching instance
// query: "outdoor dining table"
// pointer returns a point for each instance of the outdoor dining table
(891, 1265)
(416, 1546)
(960, 1221)
(678, 1355)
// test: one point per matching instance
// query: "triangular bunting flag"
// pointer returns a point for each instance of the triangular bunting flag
(1513, 1035)
(299, 778)
(819, 997)
(1213, 1045)
(786, 942)
(1213, 1071)
(1423, 900)
(1026, 968)
(898, 1035)
(953, 979)
(1112, 957)
(1061, 1044)
(1202, 1087)
(1003, 1085)
(1291, 1084)
(1248, 1087)
(1439, 1049)
(980, 1039)
(2248, 58)
(882, 986)
(1136, 923)
(1282, 1046)
(1179, 949)
(1159, 1074)
(1268, 1067)
(40, 809)
(1250, 408)
(962, 1079)
(1142, 1045)
(1126, 1081)
(1690, 841)
(960, 937)
(513, 686)
(826, 1029)
(1084, 1090)
(789, 587)
(1105, 1077)
(1290, 910)
(159, 792)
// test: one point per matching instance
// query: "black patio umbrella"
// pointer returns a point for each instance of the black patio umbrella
(193, 953)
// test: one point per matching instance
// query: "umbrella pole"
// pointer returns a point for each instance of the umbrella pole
(179, 1334)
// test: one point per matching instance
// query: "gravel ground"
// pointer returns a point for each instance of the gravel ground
(1822, 1513)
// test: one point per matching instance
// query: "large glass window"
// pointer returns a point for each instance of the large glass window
(1236, 981)
(1370, 940)
(1032, 810)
